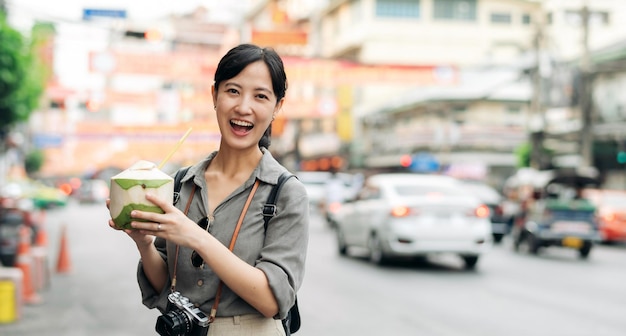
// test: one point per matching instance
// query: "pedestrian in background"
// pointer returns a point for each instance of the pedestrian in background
(334, 194)
(190, 254)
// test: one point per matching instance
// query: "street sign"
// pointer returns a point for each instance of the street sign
(47, 140)
(424, 163)
(95, 13)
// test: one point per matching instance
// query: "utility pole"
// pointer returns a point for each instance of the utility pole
(586, 101)
(536, 109)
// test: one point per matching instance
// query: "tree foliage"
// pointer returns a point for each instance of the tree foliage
(522, 152)
(33, 161)
(22, 75)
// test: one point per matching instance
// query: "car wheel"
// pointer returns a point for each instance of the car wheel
(585, 250)
(377, 256)
(470, 262)
(342, 248)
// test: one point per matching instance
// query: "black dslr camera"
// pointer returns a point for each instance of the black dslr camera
(186, 320)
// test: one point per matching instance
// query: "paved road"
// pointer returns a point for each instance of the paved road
(510, 294)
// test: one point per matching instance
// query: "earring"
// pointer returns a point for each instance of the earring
(215, 107)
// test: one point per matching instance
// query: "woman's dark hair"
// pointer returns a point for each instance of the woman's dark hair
(241, 56)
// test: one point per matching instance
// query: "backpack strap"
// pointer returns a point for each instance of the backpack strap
(291, 323)
(177, 182)
(269, 209)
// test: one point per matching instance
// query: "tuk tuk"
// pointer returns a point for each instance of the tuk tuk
(558, 215)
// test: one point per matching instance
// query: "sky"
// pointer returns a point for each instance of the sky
(23, 12)
(76, 38)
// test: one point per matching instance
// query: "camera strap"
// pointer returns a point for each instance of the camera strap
(230, 247)
(173, 287)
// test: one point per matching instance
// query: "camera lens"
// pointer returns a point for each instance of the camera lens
(174, 323)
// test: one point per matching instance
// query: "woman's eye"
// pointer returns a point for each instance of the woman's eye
(262, 96)
(234, 91)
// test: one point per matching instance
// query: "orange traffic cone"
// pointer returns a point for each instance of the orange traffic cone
(23, 261)
(63, 261)
(39, 253)
(41, 239)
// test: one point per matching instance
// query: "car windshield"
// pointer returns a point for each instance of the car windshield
(484, 192)
(421, 190)
(321, 178)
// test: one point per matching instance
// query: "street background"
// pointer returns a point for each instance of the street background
(512, 294)
(494, 91)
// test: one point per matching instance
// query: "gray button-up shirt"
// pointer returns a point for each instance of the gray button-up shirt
(279, 251)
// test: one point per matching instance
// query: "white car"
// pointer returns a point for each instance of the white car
(315, 183)
(411, 215)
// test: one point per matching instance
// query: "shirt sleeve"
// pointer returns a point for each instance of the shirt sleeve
(286, 241)
(150, 297)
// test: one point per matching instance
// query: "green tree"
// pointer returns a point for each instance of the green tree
(33, 161)
(522, 152)
(22, 75)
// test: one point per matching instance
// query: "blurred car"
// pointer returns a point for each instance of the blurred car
(398, 215)
(315, 183)
(611, 213)
(43, 196)
(501, 220)
(92, 191)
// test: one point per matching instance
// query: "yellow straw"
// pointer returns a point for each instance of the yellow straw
(180, 142)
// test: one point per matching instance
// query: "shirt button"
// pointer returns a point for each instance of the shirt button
(200, 282)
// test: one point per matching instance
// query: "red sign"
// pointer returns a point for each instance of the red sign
(276, 38)
(200, 67)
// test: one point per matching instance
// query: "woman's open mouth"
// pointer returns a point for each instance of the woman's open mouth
(241, 126)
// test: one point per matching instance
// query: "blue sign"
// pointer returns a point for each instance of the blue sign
(424, 163)
(47, 140)
(93, 13)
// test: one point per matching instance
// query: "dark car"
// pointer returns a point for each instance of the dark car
(501, 221)
(92, 191)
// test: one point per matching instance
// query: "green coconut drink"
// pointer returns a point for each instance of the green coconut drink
(128, 191)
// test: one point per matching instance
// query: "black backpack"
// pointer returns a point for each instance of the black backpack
(291, 323)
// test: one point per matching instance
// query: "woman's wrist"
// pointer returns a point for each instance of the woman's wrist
(144, 246)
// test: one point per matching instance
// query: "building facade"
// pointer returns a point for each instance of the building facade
(533, 39)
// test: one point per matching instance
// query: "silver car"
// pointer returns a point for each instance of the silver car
(411, 215)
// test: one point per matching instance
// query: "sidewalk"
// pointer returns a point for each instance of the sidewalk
(100, 295)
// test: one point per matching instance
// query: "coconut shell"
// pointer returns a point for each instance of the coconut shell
(128, 191)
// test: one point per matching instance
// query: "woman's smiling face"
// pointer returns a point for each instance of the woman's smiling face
(245, 106)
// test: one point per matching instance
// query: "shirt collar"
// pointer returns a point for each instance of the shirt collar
(267, 171)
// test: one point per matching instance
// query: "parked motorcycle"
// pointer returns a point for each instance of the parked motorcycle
(14, 214)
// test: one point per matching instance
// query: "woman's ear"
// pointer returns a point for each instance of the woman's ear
(277, 108)
(214, 96)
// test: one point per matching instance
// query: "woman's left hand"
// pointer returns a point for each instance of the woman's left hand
(172, 225)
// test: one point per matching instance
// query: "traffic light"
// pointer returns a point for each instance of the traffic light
(621, 157)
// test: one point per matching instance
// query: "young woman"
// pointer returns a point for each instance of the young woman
(262, 274)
